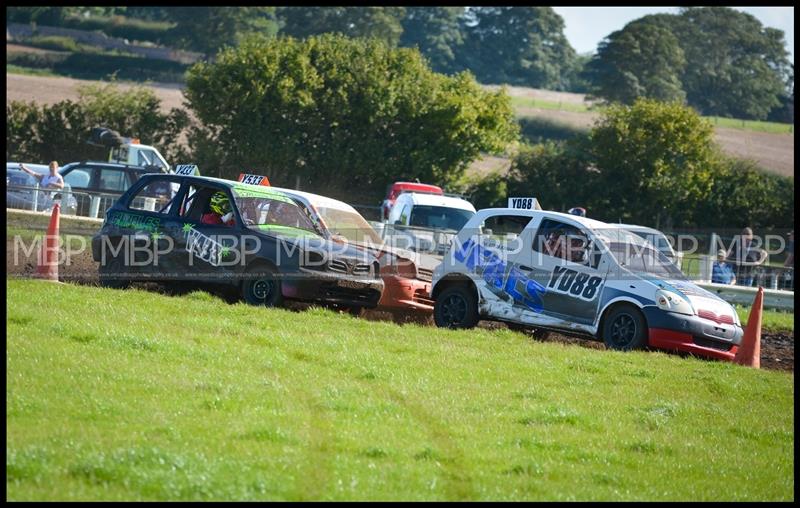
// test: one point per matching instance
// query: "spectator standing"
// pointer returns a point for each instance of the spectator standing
(745, 256)
(51, 181)
(721, 270)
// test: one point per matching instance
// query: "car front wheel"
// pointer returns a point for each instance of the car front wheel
(625, 329)
(456, 307)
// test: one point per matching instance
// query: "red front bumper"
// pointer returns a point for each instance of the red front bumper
(406, 294)
(678, 341)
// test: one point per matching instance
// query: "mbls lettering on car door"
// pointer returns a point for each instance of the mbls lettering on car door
(569, 281)
(492, 268)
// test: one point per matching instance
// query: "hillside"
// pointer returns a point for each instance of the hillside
(774, 152)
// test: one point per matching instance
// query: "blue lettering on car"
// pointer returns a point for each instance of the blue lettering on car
(492, 268)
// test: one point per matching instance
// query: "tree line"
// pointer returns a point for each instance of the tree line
(718, 60)
(344, 117)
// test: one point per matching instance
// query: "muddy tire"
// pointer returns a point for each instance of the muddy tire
(261, 286)
(456, 307)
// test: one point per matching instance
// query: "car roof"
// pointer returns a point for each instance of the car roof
(584, 221)
(437, 200)
(39, 168)
(114, 165)
(643, 229)
(317, 200)
(416, 186)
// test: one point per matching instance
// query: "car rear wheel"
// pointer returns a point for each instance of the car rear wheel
(625, 329)
(456, 307)
(110, 274)
(261, 286)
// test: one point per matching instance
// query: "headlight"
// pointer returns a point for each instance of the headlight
(667, 300)
(406, 268)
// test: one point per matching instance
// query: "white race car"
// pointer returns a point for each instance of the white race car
(553, 271)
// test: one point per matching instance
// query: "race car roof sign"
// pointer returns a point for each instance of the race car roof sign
(524, 204)
(186, 169)
(253, 179)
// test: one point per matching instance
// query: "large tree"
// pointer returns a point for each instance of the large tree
(436, 32)
(657, 157)
(641, 60)
(342, 114)
(208, 29)
(378, 22)
(735, 66)
(518, 45)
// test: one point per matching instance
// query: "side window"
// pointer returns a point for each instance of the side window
(79, 178)
(113, 180)
(157, 196)
(404, 215)
(196, 205)
(504, 225)
(145, 158)
(503, 230)
(560, 240)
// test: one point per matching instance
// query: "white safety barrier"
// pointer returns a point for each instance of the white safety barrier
(743, 295)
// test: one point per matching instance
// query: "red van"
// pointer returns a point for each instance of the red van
(398, 188)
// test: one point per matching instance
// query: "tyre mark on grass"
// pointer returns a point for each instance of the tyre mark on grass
(450, 456)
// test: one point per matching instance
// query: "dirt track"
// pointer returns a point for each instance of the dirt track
(774, 152)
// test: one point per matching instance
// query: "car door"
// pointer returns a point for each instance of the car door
(158, 218)
(201, 249)
(502, 258)
(572, 276)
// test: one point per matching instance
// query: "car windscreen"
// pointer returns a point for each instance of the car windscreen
(272, 212)
(643, 259)
(439, 217)
(350, 225)
(661, 243)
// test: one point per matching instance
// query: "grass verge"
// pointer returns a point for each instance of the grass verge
(134, 395)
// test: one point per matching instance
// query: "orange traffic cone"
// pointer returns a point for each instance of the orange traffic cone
(48, 252)
(749, 353)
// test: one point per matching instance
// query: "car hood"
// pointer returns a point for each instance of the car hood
(308, 240)
(705, 303)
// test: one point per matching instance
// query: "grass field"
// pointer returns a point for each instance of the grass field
(135, 395)
(771, 320)
(748, 125)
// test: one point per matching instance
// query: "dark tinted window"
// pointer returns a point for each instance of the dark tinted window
(439, 217)
(115, 180)
(501, 225)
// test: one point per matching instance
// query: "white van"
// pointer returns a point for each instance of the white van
(427, 222)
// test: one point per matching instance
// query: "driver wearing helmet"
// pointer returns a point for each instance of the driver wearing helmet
(569, 245)
(221, 211)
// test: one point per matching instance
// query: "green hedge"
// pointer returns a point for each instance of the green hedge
(94, 66)
(123, 28)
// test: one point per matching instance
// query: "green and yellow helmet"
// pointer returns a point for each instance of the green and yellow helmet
(220, 203)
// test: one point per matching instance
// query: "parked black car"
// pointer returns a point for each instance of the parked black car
(270, 248)
(107, 177)
(21, 191)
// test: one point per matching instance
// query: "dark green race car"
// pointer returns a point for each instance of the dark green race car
(171, 227)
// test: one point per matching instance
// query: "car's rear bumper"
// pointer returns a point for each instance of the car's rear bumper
(692, 334)
(402, 293)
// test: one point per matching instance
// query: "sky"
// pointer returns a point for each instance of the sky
(587, 26)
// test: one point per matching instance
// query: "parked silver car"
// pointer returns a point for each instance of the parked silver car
(21, 191)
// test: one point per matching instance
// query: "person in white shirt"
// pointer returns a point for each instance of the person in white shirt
(51, 181)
